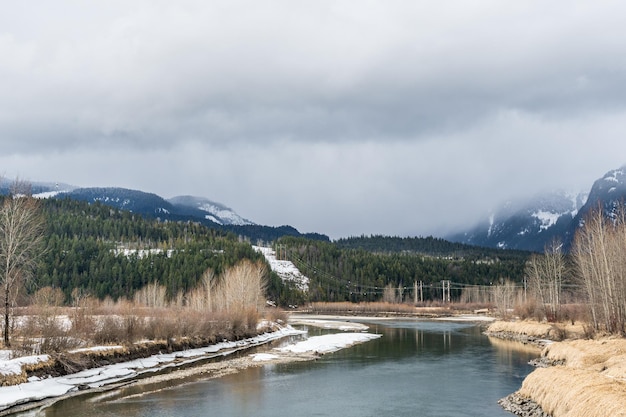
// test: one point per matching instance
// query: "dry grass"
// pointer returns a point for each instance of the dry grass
(362, 308)
(596, 355)
(554, 331)
(591, 383)
(567, 392)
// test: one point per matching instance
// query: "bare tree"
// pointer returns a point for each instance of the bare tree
(505, 296)
(21, 234)
(389, 294)
(241, 287)
(598, 250)
(152, 295)
(201, 297)
(545, 278)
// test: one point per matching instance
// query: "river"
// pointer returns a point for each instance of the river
(418, 368)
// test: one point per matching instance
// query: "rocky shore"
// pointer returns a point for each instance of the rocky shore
(522, 406)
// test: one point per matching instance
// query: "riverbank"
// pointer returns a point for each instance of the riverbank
(147, 374)
(574, 378)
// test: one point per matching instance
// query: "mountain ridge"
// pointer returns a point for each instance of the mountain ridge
(534, 223)
(180, 208)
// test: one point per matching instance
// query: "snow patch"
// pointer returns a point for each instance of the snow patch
(612, 176)
(14, 366)
(491, 222)
(142, 253)
(213, 219)
(286, 270)
(48, 194)
(329, 343)
(225, 214)
(263, 357)
(547, 219)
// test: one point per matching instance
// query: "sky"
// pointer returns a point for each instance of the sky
(403, 118)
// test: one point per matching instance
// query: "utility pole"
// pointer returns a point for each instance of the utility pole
(445, 285)
(421, 284)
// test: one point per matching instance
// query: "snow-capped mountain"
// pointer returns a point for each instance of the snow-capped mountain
(606, 193)
(533, 224)
(215, 212)
(526, 225)
(183, 208)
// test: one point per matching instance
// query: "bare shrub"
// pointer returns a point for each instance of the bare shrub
(529, 309)
(390, 294)
(276, 315)
(110, 329)
(49, 297)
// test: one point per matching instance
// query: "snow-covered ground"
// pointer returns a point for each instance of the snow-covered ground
(329, 324)
(39, 389)
(329, 342)
(286, 270)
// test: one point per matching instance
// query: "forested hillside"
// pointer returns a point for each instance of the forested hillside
(102, 251)
(345, 271)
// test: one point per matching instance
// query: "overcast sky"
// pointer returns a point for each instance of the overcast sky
(340, 117)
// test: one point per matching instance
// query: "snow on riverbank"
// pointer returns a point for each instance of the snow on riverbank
(97, 377)
(328, 324)
(41, 389)
(329, 343)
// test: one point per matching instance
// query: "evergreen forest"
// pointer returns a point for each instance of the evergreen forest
(359, 269)
(95, 249)
(106, 252)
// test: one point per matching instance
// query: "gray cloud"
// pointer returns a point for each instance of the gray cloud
(334, 116)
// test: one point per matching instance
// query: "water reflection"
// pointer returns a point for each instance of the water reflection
(511, 355)
(416, 368)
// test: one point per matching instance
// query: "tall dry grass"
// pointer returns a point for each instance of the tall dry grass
(362, 308)
(541, 330)
(567, 392)
(591, 383)
(220, 307)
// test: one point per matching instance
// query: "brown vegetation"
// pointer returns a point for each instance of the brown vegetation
(535, 329)
(225, 307)
(429, 309)
(590, 383)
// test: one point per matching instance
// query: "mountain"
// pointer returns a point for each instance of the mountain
(608, 193)
(526, 225)
(124, 199)
(216, 212)
(532, 224)
(181, 208)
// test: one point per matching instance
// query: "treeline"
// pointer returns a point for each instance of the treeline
(425, 245)
(102, 251)
(345, 271)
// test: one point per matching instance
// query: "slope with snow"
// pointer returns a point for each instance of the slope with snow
(528, 224)
(286, 270)
(216, 212)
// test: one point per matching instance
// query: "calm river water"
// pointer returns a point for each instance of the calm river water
(418, 368)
